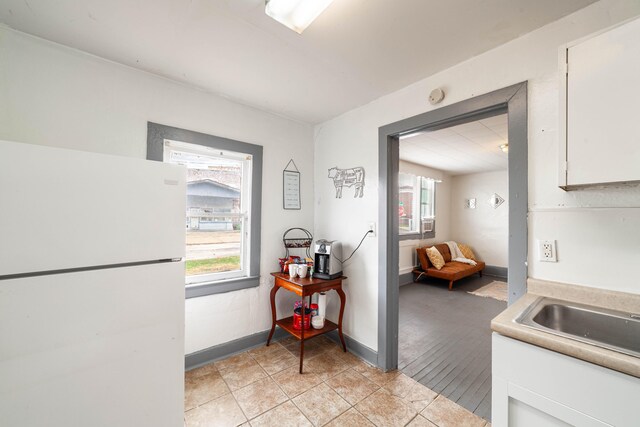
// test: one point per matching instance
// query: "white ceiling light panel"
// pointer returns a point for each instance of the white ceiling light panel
(296, 14)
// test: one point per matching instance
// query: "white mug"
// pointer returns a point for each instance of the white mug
(302, 270)
(293, 270)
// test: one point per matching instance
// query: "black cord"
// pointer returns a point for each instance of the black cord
(354, 251)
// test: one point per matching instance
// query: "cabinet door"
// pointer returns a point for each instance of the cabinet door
(602, 105)
(533, 386)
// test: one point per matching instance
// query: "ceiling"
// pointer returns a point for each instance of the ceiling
(469, 148)
(355, 52)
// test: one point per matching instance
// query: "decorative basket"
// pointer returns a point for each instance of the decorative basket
(302, 241)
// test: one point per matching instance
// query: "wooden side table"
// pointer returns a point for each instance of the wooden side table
(306, 288)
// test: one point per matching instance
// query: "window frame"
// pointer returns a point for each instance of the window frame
(156, 136)
(433, 182)
(419, 235)
(416, 202)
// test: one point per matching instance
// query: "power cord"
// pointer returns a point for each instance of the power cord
(357, 247)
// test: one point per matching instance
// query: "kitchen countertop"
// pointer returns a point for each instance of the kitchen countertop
(506, 325)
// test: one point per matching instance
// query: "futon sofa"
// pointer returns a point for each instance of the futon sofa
(451, 271)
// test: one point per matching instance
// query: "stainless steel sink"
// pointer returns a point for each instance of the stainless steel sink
(615, 330)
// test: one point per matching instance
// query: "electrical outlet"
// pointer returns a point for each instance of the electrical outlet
(547, 250)
(372, 228)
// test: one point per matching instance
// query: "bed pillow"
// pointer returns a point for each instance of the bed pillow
(435, 257)
(422, 258)
(466, 251)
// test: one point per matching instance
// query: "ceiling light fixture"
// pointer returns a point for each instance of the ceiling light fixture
(504, 148)
(295, 14)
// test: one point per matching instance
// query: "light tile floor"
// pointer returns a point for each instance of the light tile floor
(262, 387)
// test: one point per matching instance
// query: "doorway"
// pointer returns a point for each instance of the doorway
(453, 187)
(512, 101)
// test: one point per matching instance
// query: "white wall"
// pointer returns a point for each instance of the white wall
(407, 248)
(484, 228)
(592, 227)
(53, 95)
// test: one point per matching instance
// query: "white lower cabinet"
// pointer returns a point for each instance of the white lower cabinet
(533, 386)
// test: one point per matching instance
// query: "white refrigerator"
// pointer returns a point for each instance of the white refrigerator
(91, 289)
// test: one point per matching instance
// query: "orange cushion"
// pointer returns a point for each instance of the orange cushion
(443, 248)
(455, 270)
(423, 259)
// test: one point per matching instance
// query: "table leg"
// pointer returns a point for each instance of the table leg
(343, 300)
(302, 334)
(273, 312)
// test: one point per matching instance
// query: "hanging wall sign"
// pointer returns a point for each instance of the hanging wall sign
(291, 187)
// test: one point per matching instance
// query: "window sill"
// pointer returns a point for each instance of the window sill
(220, 286)
(409, 236)
(417, 236)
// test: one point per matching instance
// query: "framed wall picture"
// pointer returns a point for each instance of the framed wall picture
(291, 187)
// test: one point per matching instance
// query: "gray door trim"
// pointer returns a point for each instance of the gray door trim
(511, 100)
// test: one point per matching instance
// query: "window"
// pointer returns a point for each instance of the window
(217, 210)
(222, 208)
(416, 206)
(427, 198)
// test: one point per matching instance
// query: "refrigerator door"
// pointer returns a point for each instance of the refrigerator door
(93, 348)
(63, 209)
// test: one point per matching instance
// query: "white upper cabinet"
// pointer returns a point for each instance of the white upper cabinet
(600, 108)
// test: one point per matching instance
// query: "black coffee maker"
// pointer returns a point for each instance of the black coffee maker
(328, 256)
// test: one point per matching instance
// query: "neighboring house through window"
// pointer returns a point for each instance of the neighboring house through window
(222, 208)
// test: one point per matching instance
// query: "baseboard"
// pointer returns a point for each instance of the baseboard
(405, 279)
(405, 270)
(356, 347)
(224, 350)
(492, 270)
(221, 351)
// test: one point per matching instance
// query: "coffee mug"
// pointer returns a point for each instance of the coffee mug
(302, 270)
(293, 270)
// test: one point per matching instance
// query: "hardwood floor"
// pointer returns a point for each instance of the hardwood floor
(445, 339)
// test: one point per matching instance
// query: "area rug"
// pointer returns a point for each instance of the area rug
(496, 290)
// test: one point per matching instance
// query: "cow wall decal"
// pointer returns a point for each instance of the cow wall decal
(353, 177)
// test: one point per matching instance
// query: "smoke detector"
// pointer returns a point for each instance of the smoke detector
(436, 96)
